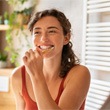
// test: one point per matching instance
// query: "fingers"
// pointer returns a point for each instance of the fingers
(37, 52)
(28, 56)
(29, 53)
(24, 59)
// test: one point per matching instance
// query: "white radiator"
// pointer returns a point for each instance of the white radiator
(96, 36)
(98, 96)
(98, 6)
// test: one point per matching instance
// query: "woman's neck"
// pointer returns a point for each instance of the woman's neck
(51, 68)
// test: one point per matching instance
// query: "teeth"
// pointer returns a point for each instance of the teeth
(45, 47)
(47, 50)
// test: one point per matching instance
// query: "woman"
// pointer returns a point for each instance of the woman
(51, 77)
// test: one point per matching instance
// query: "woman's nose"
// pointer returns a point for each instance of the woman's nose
(44, 37)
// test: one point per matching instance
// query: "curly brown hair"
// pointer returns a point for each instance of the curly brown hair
(69, 59)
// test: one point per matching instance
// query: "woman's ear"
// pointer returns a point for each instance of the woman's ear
(66, 39)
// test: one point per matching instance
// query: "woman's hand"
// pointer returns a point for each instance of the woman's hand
(33, 62)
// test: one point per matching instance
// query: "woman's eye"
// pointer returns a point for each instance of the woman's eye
(37, 33)
(52, 31)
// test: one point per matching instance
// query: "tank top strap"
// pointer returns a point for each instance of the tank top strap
(23, 78)
(62, 83)
(61, 88)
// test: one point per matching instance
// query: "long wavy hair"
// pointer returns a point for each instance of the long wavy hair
(69, 59)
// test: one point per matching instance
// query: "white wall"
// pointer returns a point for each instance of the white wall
(73, 11)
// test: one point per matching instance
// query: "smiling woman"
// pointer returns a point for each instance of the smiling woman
(51, 76)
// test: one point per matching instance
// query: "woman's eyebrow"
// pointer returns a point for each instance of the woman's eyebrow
(36, 28)
(53, 27)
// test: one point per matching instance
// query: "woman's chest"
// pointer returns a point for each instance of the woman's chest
(53, 88)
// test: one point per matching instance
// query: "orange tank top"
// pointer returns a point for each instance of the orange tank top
(32, 105)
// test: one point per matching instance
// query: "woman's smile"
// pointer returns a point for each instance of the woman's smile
(45, 49)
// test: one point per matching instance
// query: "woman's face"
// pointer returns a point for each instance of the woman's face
(48, 36)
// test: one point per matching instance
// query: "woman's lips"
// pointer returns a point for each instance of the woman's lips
(47, 50)
(45, 47)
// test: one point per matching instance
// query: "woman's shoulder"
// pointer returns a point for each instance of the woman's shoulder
(16, 73)
(16, 79)
(78, 73)
(79, 70)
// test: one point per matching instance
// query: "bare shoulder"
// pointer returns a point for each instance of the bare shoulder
(16, 76)
(16, 72)
(76, 86)
(80, 74)
(80, 70)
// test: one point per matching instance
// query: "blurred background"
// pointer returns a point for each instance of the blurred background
(90, 21)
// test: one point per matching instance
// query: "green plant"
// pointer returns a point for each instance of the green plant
(0, 19)
(16, 1)
(3, 56)
(9, 38)
(6, 15)
(17, 20)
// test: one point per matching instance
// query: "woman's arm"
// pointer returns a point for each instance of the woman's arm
(74, 93)
(75, 90)
(16, 86)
